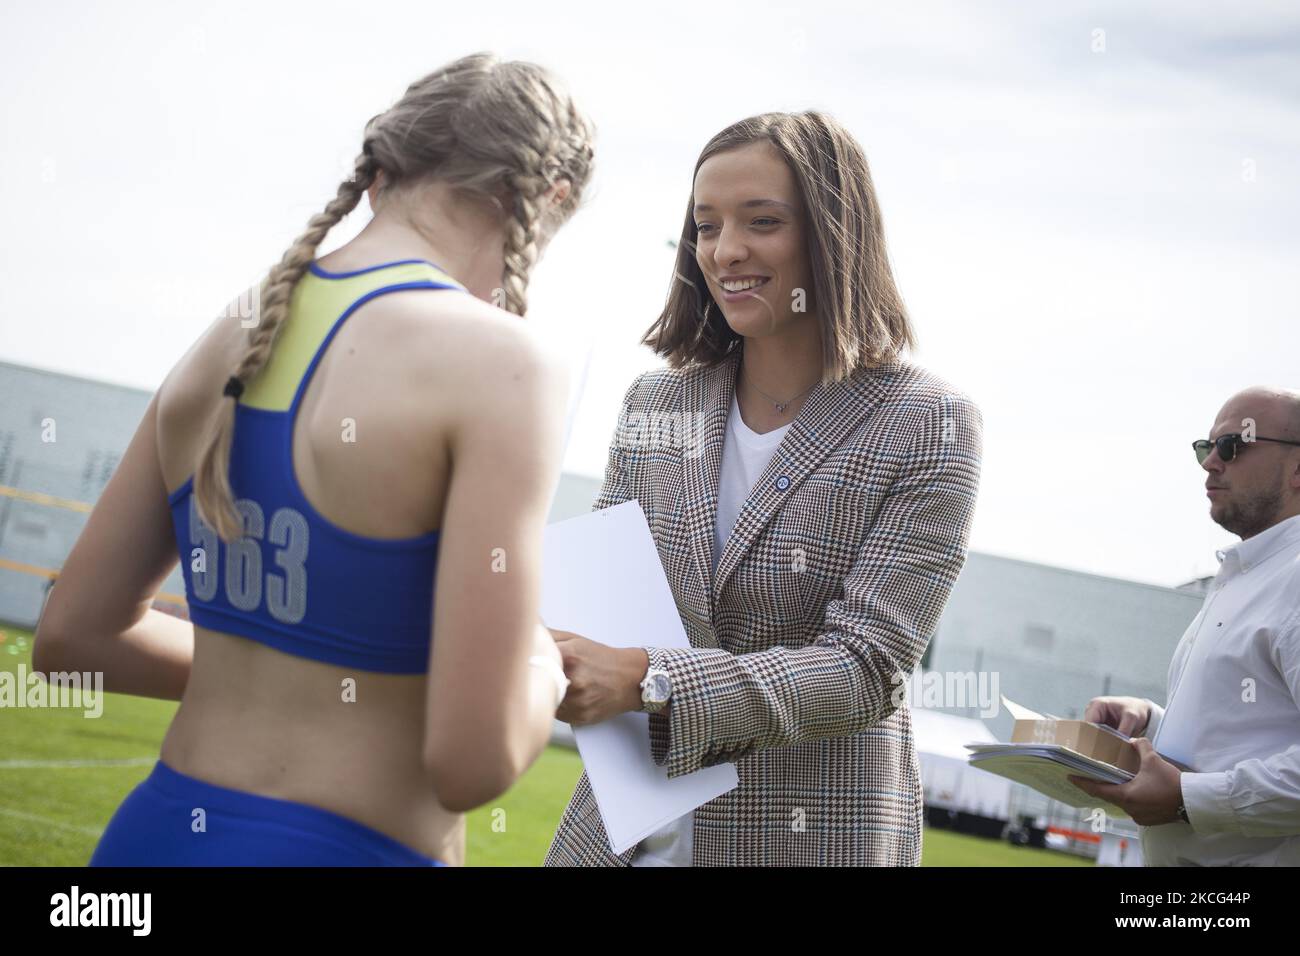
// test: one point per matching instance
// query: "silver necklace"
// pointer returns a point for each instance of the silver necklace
(779, 406)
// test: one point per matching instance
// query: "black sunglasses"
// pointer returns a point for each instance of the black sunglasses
(1228, 445)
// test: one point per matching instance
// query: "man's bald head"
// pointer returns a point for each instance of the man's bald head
(1275, 411)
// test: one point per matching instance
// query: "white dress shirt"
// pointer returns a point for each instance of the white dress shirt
(1233, 714)
(744, 456)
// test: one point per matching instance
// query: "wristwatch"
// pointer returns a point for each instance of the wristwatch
(656, 686)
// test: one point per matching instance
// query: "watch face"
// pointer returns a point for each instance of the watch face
(660, 687)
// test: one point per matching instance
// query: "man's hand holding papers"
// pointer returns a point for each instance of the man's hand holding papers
(1151, 798)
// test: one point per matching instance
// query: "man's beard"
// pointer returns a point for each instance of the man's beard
(1248, 518)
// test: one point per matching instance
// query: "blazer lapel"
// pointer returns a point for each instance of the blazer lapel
(828, 414)
(706, 393)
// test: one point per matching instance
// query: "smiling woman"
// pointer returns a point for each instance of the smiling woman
(810, 533)
(797, 188)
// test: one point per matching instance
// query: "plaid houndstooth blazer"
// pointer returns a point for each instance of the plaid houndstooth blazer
(830, 585)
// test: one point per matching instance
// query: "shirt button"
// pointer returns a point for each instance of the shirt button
(782, 483)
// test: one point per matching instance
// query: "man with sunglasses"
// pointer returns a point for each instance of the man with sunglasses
(1233, 702)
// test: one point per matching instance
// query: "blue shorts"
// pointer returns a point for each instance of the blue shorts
(159, 824)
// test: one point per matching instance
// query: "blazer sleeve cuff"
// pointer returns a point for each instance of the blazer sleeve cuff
(680, 734)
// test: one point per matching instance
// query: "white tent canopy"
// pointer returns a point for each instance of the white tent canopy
(947, 778)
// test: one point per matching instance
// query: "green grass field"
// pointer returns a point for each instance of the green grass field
(52, 810)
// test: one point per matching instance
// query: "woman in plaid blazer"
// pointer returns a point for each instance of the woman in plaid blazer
(841, 558)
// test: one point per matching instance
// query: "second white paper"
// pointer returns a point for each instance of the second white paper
(602, 578)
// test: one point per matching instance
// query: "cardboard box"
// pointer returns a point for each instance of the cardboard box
(1083, 737)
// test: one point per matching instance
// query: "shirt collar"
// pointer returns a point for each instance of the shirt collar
(1257, 550)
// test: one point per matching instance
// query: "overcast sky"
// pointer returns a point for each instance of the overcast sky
(1091, 207)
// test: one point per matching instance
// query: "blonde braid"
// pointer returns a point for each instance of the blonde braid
(212, 492)
(521, 229)
(521, 240)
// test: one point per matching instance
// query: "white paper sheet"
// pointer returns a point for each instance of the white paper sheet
(602, 578)
(1019, 712)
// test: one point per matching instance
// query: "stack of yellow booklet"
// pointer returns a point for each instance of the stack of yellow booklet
(1045, 750)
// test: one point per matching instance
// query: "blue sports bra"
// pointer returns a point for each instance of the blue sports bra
(296, 581)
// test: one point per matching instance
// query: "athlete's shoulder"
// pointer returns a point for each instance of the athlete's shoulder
(456, 334)
(478, 363)
(209, 361)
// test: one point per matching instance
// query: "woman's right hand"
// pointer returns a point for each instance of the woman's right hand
(1128, 715)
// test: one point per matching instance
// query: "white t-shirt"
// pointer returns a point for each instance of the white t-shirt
(744, 456)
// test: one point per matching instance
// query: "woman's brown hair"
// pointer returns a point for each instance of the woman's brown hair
(482, 126)
(863, 319)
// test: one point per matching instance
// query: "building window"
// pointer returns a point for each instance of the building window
(1039, 636)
